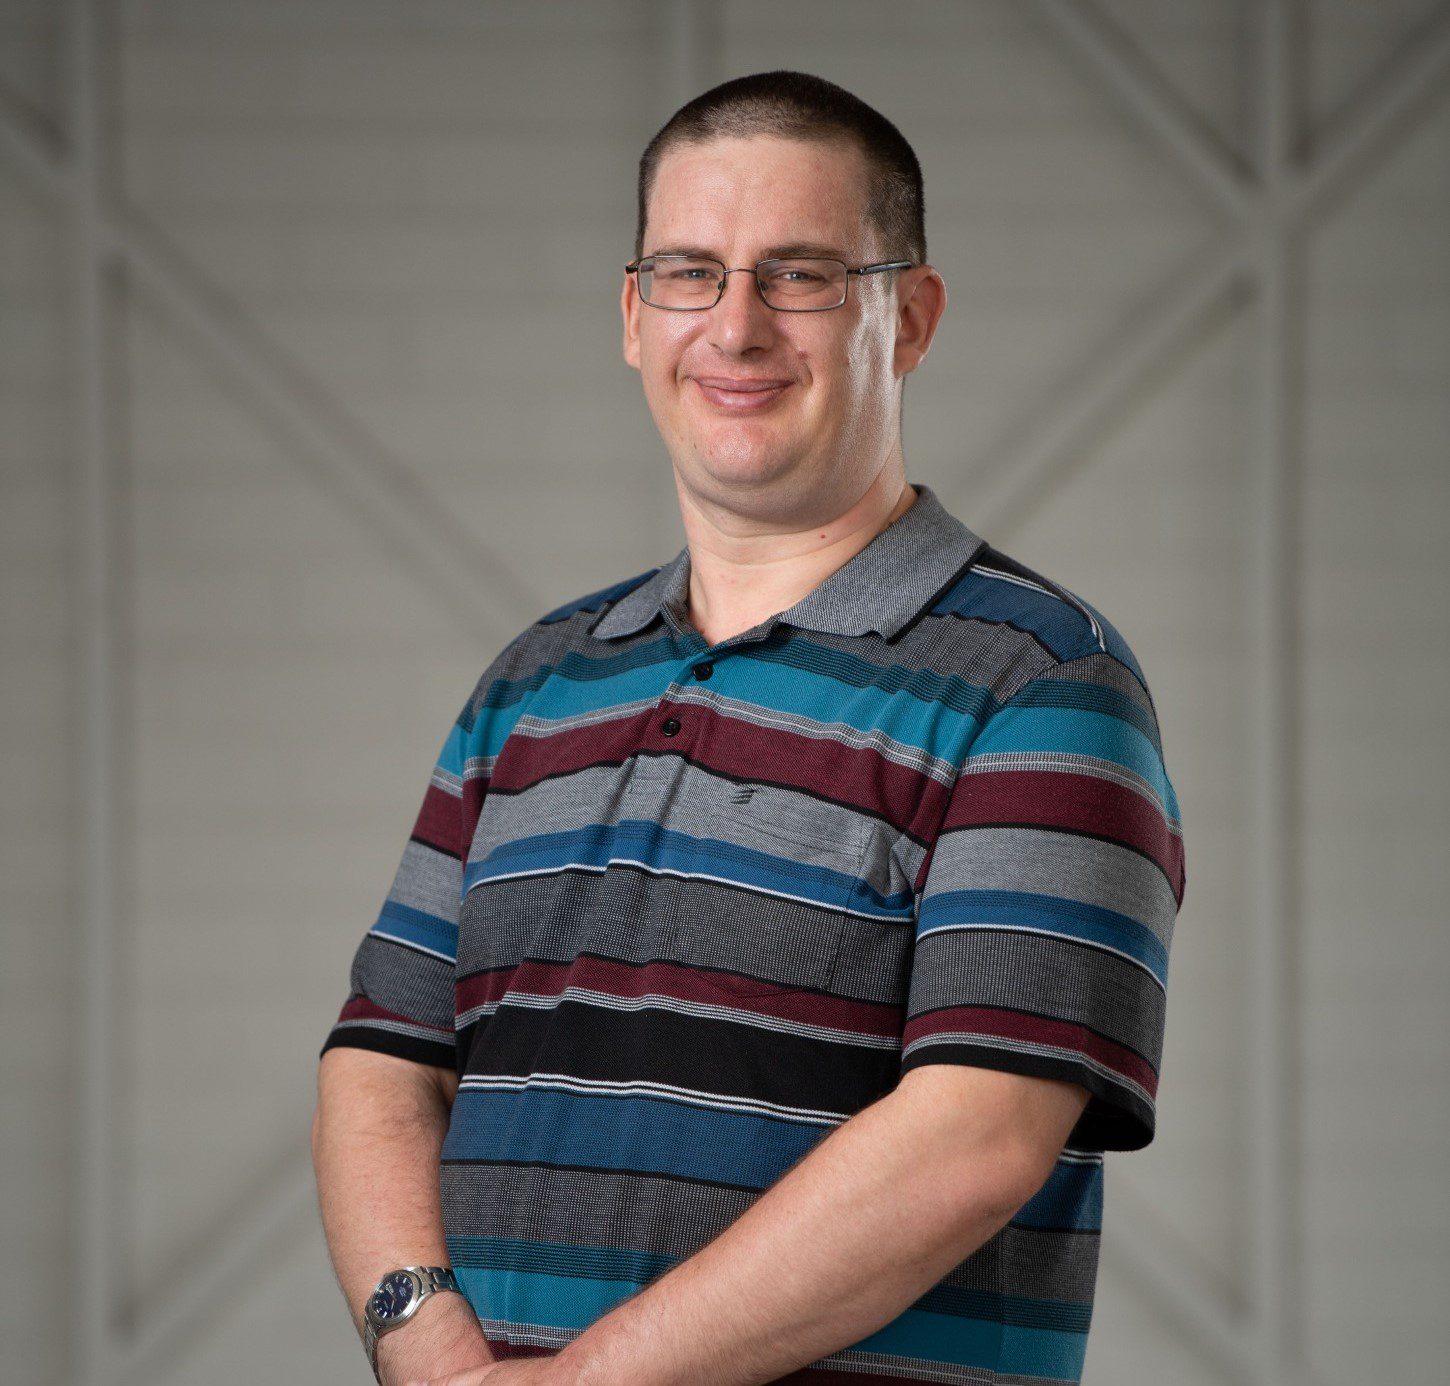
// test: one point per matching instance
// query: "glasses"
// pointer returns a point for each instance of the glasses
(686, 283)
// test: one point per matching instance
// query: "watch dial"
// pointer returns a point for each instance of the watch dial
(393, 1296)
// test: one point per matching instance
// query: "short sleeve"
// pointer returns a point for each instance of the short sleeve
(1046, 910)
(401, 997)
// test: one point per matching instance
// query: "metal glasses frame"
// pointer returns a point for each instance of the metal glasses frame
(634, 265)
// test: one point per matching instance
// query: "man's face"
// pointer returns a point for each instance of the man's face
(830, 416)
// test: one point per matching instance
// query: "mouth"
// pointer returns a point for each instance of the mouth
(740, 396)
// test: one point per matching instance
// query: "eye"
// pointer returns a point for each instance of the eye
(686, 271)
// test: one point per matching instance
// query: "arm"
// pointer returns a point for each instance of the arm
(873, 1217)
(376, 1136)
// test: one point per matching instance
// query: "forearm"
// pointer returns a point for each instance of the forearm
(871, 1219)
(376, 1137)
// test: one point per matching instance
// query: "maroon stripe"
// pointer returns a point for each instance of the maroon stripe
(439, 822)
(360, 1008)
(1068, 802)
(528, 760)
(994, 1023)
(862, 779)
(627, 980)
(474, 791)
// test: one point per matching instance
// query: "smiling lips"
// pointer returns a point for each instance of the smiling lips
(740, 393)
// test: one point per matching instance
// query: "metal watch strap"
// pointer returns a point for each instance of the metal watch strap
(433, 1278)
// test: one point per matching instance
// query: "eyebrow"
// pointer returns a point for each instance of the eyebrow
(775, 252)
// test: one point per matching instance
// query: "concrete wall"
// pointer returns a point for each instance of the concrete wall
(283, 436)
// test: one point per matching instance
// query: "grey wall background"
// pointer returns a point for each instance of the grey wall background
(283, 440)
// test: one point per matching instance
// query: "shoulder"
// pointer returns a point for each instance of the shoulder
(593, 602)
(1038, 624)
(543, 644)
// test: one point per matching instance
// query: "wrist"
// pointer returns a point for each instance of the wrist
(401, 1296)
(444, 1336)
(584, 1360)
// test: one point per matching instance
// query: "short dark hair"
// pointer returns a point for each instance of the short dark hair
(796, 105)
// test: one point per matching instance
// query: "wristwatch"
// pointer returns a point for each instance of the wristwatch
(397, 1298)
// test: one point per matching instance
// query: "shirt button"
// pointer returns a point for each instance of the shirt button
(670, 726)
(703, 671)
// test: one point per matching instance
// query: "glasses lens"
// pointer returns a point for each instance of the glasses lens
(803, 284)
(680, 281)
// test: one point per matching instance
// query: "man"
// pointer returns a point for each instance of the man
(783, 938)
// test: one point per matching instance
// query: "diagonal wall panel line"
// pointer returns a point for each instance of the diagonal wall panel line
(1158, 110)
(1197, 1306)
(1400, 96)
(255, 1238)
(1005, 485)
(402, 512)
(1154, 1264)
(28, 139)
(394, 502)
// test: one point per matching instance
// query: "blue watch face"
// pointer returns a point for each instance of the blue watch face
(393, 1296)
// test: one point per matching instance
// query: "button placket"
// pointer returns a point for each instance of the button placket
(696, 672)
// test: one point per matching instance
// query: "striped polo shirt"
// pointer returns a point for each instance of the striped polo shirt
(674, 911)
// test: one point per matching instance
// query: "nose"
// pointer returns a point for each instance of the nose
(742, 319)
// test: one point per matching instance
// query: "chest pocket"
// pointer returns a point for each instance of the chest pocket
(763, 904)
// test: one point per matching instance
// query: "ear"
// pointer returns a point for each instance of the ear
(629, 310)
(924, 300)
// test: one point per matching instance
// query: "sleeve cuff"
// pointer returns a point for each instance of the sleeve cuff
(1115, 1117)
(420, 1051)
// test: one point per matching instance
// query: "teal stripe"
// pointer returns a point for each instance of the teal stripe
(804, 680)
(416, 926)
(554, 1301)
(1089, 697)
(1055, 1315)
(830, 687)
(1071, 732)
(595, 845)
(629, 1265)
(484, 738)
(633, 1131)
(1071, 1201)
(510, 1281)
(986, 1343)
(1047, 913)
(1041, 1352)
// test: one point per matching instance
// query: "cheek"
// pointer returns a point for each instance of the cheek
(861, 361)
(662, 344)
(871, 352)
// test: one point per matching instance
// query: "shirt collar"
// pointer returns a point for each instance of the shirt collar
(882, 588)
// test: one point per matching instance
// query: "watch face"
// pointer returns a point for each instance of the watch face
(393, 1296)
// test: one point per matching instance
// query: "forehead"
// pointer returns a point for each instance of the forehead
(763, 190)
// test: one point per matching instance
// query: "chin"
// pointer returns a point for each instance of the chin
(742, 459)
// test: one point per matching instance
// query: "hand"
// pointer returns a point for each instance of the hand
(517, 1371)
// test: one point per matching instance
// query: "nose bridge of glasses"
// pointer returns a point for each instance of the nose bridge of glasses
(752, 270)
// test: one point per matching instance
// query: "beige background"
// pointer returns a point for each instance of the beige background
(289, 451)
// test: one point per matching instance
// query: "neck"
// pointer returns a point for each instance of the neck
(742, 571)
